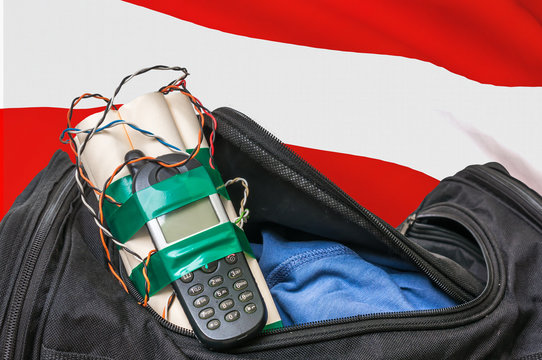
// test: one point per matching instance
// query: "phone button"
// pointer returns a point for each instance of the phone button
(210, 267)
(216, 281)
(234, 273)
(213, 324)
(246, 296)
(250, 308)
(195, 290)
(226, 304)
(231, 259)
(240, 284)
(232, 316)
(206, 313)
(186, 278)
(220, 293)
(201, 301)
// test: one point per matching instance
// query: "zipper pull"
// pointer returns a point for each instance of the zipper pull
(403, 228)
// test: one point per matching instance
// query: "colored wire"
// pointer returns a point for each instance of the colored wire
(165, 312)
(243, 213)
(119, 87)
(198, 106)
(147, 281)
(178, 84)
(75, 131)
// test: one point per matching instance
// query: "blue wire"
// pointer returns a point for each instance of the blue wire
(130, 125)
(168, 144)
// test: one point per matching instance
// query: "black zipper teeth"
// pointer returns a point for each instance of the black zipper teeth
(161, 320)
(27, 269)
(330, 187)
(374, 316)
(398, 314)
(507, 184)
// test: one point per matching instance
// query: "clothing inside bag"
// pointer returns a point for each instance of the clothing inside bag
(321, 280)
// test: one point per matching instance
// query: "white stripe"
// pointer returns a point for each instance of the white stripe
(391, 108)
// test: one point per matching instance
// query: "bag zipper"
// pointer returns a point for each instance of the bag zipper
(403, 228)
(438, 211)
(492, 178)
(261, 138)
(22, 291)
(379, 321)
(264, 140)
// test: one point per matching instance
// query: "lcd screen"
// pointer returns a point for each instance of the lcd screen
(188, 220)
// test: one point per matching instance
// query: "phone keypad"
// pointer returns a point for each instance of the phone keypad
(231, 259)
(240, 284)
(213, 324)
(221, 294)
(210, 268)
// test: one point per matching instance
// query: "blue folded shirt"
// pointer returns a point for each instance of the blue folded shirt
(321, 280)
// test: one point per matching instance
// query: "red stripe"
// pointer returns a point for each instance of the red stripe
(491, 41)
(391, 191)
(30, 138)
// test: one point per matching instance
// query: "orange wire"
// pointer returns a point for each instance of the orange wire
(102, 238)
(70, 112)
(101, 194)
(168, 304)
(147, 281)
(68, 116)
(118, 278)
(87, 180)
(77, 102)
(100, 210)
(201, 116)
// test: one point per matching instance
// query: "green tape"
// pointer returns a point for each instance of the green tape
(187, 255)
(154, 201)
(120, 190)
(168, 195)
(182, 257)
(273, 326)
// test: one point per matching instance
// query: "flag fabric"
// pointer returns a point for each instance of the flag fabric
(385, 97)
